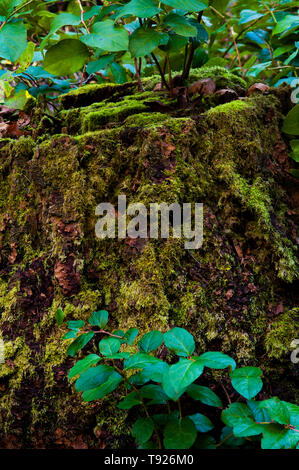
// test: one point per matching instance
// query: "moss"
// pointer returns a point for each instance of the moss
(282, 333)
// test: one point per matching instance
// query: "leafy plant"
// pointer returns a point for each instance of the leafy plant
(49, 46)
(164, 389)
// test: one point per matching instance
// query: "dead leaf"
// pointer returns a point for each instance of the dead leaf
(258, 88)
(206, 86)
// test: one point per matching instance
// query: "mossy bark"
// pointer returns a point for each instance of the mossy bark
(236, 294)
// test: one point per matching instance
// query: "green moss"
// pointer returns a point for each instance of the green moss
(282, 332)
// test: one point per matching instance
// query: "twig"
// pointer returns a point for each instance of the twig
(82, 16)
(140, 86)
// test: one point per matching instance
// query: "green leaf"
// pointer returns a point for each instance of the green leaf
(64, 19)
(150, 341)
(99, 319)
(278, 437)
(129, 401)
(202, 423)
(277, 410)
(291, 122)
(179, 434)
(154, 372)
(155, 393)
(247, 381)
(184, 372)
(79, 343)
(131, 335)
(205, 395)
(143, 429)
(140, 361)
(172, 388)
(59, 316)
(289, 21)
(13, 40)
(75, 324)
(106, 36)
(249, 15)
(59, 61)
(180, 25)
(109, 346)
(83, 365)
(260, 414)
(102, 390)
(144, 40)
(235, 413)
(103, 62)
(294, 414)
(180, 342)
(119, 73)
(216, 360)
(140, 8)
(70, 335)
(175, 43)
(94, 377)
(247, 427)
(189, 5)
(295, 148)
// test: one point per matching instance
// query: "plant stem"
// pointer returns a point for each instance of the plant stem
(170, 77)
(187, 69)
(140, 86)
(180, 408)
(82, 16)
(164, 83)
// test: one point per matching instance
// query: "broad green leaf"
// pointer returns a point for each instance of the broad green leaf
(103, 62)
(99, 319)
(59, 61)
(235, 413)
(119, 73)
(102, 390)
(58, 22)
(289, 21)
(155, 393)
(277, 410)
(75, 324)
(143, 429)
(152, 372)
(249, 15)
(291, 122)
(260, 414)
(129, 401)
(205, 395)
(109, 346)
(131, 335)
(124, 355)
(202, 423)
(83, 365)
(180, 434)
(184, 372)
(140, 8)
(180, 342)
(94, 377)
(150, 341)
(59, 316)
(188, 5)
(216, 360)
(172, 388)
(295, 148)
(180, 25)
(79, 343)
(26, 57)
(247, 381)
(13, 41)
(143, 41)
(247, 427)
(70, 335)
(278, 437)
(294, 414)
(175, 43)
(140, 361)
(106, 36)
